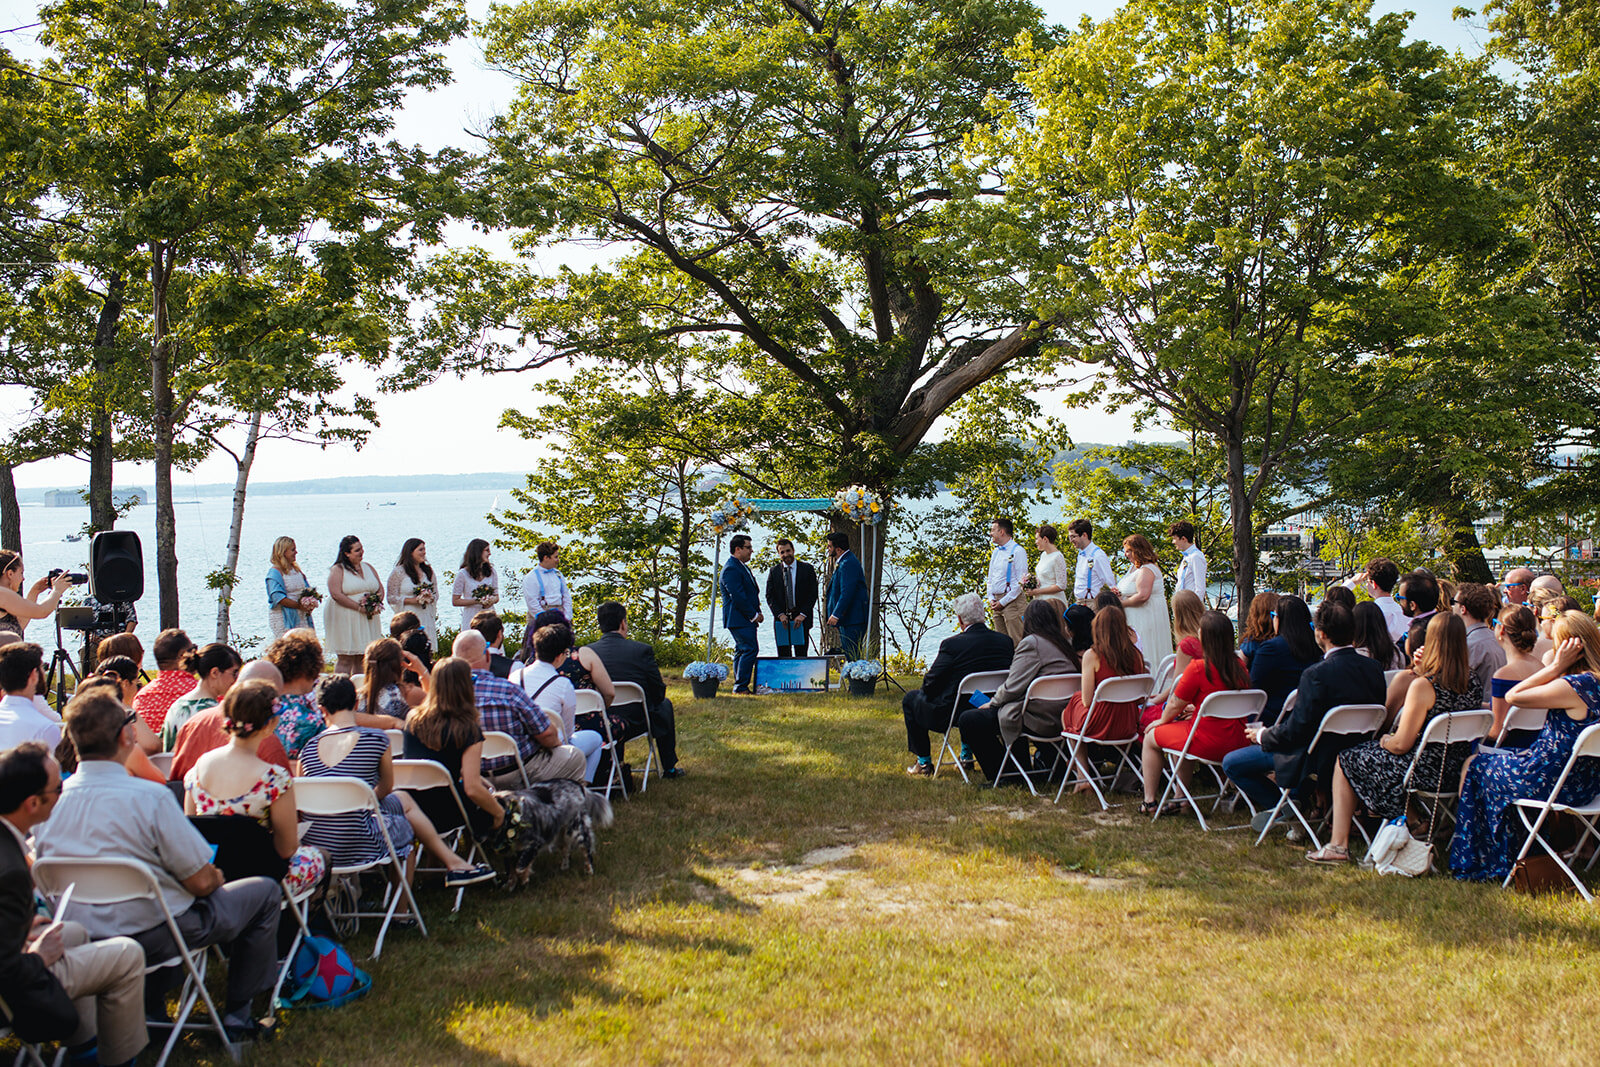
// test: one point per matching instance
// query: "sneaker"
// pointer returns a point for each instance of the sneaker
(1295, 836)
(920, 769)
(674, 772)
(1258, 821)
(469, 875)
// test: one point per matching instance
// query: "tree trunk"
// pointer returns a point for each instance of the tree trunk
(102, 509)
(1462, 549)
(685, 543)
(165, 431)
(236, 526)
(1244, 538)
(10, 512)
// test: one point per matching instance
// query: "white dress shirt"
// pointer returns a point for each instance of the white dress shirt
(1393, 616)
(545, 590)
(1091, 573)
(1008, 566)
(1192, 572)
(21, 720)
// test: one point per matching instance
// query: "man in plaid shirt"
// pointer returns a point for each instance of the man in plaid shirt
(505, 708)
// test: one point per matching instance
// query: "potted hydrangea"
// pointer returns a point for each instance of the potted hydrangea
(704, 678)
(863, 675)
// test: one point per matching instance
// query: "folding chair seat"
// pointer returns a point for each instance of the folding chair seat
(1225, 704)
(27, 1052)
(1461, 727)
(1112, 691)
(591, 701)
(977, 682)
(1046, 687)
(1344, 720)
(111, 881)
(1587, 813)
(498, 743)
(420, 775)
(633, 693)
(319, 797)
(1164, 672)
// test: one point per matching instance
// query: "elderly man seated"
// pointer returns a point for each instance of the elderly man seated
(105, 812)
(975, 648)
(59, 985)
(507, 708)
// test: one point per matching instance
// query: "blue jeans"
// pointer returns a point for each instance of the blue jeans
(745, 645)
(1248, 767)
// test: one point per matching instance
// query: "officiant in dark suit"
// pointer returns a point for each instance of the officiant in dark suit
(741, 609)
(792, 596)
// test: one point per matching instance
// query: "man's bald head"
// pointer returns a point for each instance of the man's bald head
(1518, 583)
(260, 670)
(470, 646)
(1545, 587)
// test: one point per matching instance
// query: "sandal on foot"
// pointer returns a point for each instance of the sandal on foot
(1174, 807)
(1330, 855)
(1148, 807)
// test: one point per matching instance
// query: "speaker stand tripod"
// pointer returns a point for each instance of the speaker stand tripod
(55, 675)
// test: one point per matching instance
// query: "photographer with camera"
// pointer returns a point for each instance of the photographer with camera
(16, 610)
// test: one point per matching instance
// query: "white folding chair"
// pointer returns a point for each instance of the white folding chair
(1390, 676)
(162, 761)
(633, 693)
(1046, 687)
(1164, 672)
(417, 775)
(591, 701)
(397, 742)
(320, 797)
(1289, 703)
(1587, 746)
(1460, 727)
(26, 1052)
(498, 743)
(1518, 718)
(298, 905)
(1345, 720)
(977, 682)
(1226, 704)
(1129, 687)
(111, 881)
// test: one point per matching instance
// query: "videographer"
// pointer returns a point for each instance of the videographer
(16, 610)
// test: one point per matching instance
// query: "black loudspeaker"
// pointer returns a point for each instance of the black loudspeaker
(116, 567)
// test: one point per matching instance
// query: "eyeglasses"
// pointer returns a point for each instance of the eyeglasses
(1401, 596)
(131, 718)
(1511, 585)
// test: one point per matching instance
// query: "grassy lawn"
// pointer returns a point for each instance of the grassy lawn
(797, 898)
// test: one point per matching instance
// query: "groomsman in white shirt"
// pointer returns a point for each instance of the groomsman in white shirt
(544, 589)
(1092, 572)
(1192, 566)
(1008, 570)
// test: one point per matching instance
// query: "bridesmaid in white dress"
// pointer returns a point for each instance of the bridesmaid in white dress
(412, 586)
(346, 619)
(1052, 577)
(1144, 599)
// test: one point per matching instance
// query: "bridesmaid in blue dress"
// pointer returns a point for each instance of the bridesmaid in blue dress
(1488, 831)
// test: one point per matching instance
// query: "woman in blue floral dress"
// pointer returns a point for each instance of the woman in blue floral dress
(1487, 836)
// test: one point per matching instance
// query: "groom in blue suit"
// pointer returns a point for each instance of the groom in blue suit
(741, 609)
(847, 595)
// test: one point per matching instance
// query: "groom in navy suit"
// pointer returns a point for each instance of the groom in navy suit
(741, 609)
(847, 595)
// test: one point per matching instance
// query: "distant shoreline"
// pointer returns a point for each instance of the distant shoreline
(367, 483)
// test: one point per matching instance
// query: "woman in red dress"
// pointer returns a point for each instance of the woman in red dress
(1112, 655)
(1218, 668)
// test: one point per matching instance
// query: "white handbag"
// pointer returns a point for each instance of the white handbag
(1395, 851)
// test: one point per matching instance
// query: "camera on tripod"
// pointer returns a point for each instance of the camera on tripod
(95, 618)
(76, 579)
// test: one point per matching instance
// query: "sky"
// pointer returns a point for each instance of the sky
(451, 425)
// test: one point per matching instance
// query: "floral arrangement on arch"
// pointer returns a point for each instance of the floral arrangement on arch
(862, 670)
(700, 671)
(732, 515)
(860, 504)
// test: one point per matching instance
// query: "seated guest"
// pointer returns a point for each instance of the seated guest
(582, 667)
(973, 648)
(1279, 661)
(552, 691)
(1044, 649)
(493, 630)
(505, 708)
(21, 676)
(171, 680)
(1371, 773)
(635, 661)
(138, 763)
(1372, 637)
(386, 697)
(350, 750)
(1341, 595)
(1548, 612)
(1218, 668)
(1542, 591)
(148, 827)
(445, 729)
(1258, 628)
(1419, 595)
(1488, 835)
(125, 671)
(234, 780)
(1112, 656)
(1276, 757)
(406, 628)
(209, 730)
(1079, 619)
(1186, 612)
(123, 644)
(299, 659)
(45, 968)
(215, 668)
(1476, 605)
(1517, 632)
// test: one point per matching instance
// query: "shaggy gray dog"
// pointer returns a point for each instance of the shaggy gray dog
(538, 818)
